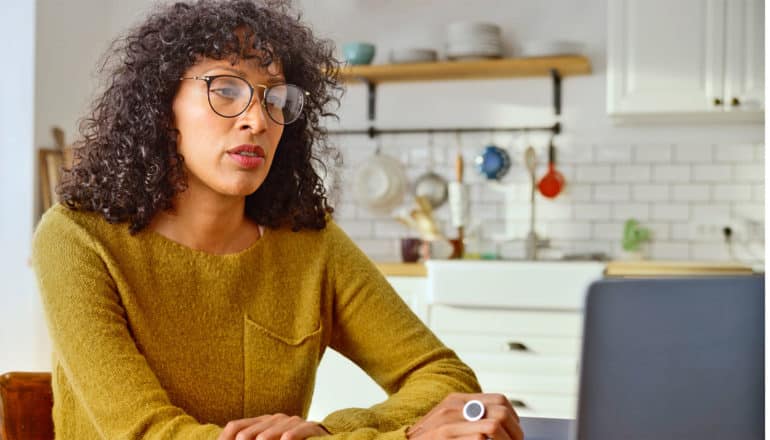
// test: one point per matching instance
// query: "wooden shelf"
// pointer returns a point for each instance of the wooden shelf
(452, 70)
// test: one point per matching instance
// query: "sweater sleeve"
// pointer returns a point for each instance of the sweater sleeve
(374, 328)
(95, 351)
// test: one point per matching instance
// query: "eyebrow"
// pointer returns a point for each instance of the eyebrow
(242, 74)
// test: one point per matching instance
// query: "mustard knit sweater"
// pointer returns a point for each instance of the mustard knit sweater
(155, 340)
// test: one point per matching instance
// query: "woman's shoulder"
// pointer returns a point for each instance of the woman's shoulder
(61, 223)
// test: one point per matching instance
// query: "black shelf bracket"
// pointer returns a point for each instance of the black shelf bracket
(556, 77)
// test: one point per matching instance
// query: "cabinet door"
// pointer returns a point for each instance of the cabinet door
(665, 56)
(745, 56)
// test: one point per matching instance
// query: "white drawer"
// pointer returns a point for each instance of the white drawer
(505, 322)
(498, 382)
(521, 364)
(500, 343)
(543, 405)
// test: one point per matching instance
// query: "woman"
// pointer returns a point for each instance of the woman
(192, 277)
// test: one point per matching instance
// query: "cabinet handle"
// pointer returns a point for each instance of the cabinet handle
(717, 101)
(516, 403)
(517, 346)
(735, 102)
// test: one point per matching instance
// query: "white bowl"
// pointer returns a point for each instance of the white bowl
(398, 56)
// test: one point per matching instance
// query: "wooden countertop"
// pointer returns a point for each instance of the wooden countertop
(403, 269)
(617, 268)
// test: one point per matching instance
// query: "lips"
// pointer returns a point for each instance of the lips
(247, 155)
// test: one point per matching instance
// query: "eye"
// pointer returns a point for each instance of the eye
(227, 92)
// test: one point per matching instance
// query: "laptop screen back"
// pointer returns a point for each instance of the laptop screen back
(673, 359)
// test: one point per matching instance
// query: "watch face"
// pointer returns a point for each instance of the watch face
(473, 410)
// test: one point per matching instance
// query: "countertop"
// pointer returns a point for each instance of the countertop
(616, 268)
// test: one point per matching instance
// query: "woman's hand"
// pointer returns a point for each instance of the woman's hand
(445, 420)
(271, 427)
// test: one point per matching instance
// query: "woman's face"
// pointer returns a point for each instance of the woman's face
(229, 157)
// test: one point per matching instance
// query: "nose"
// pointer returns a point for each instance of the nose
(254, 119)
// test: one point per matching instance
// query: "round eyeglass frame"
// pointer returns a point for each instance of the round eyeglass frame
(209, 78)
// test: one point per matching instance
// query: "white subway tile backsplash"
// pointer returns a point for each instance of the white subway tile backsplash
(749, 173)
(712, 173)
(696, 193)
(632, 173)
(568, 230)
(671, 173)
(693, 153)
(653, 193)
(670, 250)
(710, 251)
(726, 193)
(735, 153)
(652, 153)
(660, 231)
(576, 154)
(607, 230)
(613, 153)
(356, 228)
(712, 211)
(616, 192)
(681, 231)
(668, 211)
(594, 173)
(668, 188)
(578, 192)
(625, 211)
(592, 211)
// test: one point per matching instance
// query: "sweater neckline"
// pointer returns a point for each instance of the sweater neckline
(167, 242)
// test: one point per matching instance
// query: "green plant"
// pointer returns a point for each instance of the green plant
(634, 235)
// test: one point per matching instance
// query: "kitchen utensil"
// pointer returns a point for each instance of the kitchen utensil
(380, 183)
(493, 162)
(530, 160)
(58, 136)
(431, 185)
(358, 53)
(553, 182)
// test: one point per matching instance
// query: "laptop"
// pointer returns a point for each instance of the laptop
(674, 358)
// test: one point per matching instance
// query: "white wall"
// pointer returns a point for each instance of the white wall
(22, 336)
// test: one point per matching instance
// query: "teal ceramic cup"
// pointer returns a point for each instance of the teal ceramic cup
(358, 53)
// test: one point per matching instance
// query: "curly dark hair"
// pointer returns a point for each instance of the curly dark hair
(126, 164)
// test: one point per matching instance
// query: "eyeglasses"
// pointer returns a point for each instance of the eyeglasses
(230, 95)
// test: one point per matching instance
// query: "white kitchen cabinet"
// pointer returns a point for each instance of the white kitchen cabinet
(696, 59)
(518, 325)
(342, 384)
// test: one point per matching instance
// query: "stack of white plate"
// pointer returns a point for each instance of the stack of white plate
(473, 40)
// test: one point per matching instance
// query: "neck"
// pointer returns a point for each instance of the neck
(211, 224)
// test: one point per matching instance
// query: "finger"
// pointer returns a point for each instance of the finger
(489, 399)
(303, 431)
(452, 400)
(233, 427)
(506, 418)
(271, 429)
(489, 428)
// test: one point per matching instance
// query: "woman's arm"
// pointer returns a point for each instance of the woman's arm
(374, 328)
(96, 354)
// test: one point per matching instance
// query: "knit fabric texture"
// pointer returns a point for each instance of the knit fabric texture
(153, 339)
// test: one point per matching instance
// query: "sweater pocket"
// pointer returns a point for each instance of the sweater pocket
(279, 370)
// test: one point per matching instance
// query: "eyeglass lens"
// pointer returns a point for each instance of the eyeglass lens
(229, 96)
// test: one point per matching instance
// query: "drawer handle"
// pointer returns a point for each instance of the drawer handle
(517, 346)
(516, 403)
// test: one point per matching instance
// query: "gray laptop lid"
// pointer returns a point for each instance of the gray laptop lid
(673, 359)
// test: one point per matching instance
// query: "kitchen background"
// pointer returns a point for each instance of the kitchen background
(681, 177)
